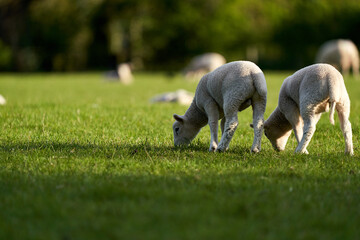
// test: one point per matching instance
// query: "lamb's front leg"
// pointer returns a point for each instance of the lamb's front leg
(222, 124)
(214, 134)
(309, 129)
(231, 124)
(213, 121)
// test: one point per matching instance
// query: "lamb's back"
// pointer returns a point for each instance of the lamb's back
(232, 76)
(312, 82)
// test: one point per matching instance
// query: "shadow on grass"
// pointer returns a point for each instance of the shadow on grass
(110, 150)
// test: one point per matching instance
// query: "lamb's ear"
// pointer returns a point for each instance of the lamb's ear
(251, 125)
(178, 118)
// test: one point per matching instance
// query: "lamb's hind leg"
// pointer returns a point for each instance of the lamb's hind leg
(259, 105)
(346, 129)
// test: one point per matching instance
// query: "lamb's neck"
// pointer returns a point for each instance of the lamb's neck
(279, 120)
(196, 116)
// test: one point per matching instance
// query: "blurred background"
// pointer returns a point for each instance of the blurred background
(77, 35)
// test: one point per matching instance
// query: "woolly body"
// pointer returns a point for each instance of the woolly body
(221, 94)
(342, 54)
(303, 97)
(203, 64)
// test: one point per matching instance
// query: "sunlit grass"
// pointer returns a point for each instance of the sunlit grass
(81, 158)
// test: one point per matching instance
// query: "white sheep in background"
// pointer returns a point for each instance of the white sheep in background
(303, 97)
(342, 54)
(2, 100)
(202, 64)
(180, 96)
(122, 74)
(220, 95)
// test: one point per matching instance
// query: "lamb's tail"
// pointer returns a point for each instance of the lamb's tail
(332, 112)
(260, 84)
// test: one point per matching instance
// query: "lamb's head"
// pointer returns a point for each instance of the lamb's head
(277, 137)
(277, 129)
(184, 131)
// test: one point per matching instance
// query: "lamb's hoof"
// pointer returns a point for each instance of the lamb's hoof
(212, 149)
(301, 151)
(351, 153)
(221, 149)
(255, 150)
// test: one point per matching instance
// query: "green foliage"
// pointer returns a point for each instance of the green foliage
(164, 34)
(81, 158)
(5, 56)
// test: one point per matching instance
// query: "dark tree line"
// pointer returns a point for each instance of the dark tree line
(68, 35)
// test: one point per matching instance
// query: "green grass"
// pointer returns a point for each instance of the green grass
(81, 158)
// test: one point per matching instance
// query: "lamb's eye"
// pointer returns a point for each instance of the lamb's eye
(177, 130)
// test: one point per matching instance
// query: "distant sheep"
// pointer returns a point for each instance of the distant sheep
(342, 54)
(202, 64)
(122, 74)
(180, 96)
(2, 100)
(221, 94)
(303, 97)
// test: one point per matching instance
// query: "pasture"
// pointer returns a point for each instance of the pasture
(81, 158)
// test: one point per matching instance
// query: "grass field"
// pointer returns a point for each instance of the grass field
(81, 158)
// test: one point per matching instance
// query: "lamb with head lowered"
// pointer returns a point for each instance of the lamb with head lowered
(221, 94)
(303, 97)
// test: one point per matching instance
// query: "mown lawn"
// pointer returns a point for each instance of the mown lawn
(81, 158)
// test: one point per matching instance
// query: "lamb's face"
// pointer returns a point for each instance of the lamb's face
(277, 138)
(184, 132)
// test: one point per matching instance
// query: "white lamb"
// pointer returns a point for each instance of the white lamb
(303, 97)
(202, 64)
(220, 95)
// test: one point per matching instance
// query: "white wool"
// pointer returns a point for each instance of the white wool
(303, 97)
(221, 94)
(180, 96)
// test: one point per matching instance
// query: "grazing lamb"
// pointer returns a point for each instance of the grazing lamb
(342, 54)
(202, 64)
(220, 95)
(303, 97)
